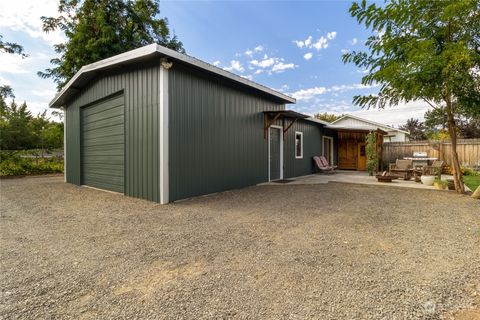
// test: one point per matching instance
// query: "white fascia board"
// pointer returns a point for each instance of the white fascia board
(380, 125)
(123, 57)
(155, 48)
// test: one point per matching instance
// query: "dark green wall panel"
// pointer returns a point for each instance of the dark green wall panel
(312, 146)
(216, 140)
(140, 86)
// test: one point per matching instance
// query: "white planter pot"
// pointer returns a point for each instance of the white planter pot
(427, 180)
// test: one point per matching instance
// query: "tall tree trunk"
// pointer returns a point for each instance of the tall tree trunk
(452, 131)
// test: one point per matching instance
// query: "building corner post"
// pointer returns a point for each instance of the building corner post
(64, 145)
(163, 131)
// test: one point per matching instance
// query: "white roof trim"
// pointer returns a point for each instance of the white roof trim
(313, 119)
(153, 49)
(384, 126)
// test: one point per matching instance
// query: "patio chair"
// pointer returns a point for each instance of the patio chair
(435, 169)
(402, 168)
(325, 162)
(321, 168)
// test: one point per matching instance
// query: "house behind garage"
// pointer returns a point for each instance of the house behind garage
(155, 124)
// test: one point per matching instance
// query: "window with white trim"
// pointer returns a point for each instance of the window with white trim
(298, 145)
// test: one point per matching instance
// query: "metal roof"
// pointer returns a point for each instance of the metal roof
(352, 128)
(287, 114)
(384, 126)
(88, 72)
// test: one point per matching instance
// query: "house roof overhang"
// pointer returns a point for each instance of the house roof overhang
(356, 129)
(380, 125)
(153, 51)
(270, 117)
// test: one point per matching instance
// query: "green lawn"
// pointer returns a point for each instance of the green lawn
(472, 182)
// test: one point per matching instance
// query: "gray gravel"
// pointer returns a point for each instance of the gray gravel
(335, 251)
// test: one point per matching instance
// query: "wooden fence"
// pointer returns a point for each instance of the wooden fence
(468, 150)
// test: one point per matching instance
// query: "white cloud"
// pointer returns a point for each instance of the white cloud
(355, 86)
(280, 67)
(395, 116)
(273, 64)
(283, 88)
(4, 81)
(331, 35)
(25, 16)
(258, 49)
(353, 42)
(308, 56)
(235, 65)
(304, 43)
(344, 51)
(249, 53)
(307, 94)
(263, 63)
(48, 94)
(308, 41)
(299, 43)
(321, 43)
(13, 63)
(216, 63)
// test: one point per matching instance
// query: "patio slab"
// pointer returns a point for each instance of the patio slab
(357, 177)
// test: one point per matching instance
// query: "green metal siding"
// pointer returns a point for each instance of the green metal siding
(102, 144)
(312, 146)
(216, 139)
(140, 86)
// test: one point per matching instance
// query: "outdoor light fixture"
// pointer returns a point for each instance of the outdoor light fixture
(165, 63)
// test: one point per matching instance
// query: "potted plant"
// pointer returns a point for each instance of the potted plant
(427, 179)
(440, 184)
(451, 184)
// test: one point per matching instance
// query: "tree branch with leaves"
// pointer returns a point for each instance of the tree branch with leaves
(422, 50)
(98, 29)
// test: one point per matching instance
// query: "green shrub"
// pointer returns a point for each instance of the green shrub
(12, 164)
(469, 172)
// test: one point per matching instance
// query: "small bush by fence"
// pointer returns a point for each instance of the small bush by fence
(468, 151)
(19, 163)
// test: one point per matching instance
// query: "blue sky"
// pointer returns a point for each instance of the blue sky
(293, 47)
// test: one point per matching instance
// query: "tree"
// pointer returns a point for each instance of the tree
(468, 126)
(422, 50)
(98, 29)
(14, 125)
(470, 129)
(11, 47)
(328, 117)
(20, 130)
(416, 128)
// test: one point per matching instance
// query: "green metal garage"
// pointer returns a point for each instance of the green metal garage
(155, 124)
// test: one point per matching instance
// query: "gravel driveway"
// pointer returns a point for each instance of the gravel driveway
(332, 251)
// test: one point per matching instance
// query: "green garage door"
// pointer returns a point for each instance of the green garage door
(103, 145)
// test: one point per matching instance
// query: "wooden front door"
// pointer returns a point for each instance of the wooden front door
(361, 157)
(347, 154)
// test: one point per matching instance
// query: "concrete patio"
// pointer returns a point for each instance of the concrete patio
(357, 177)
